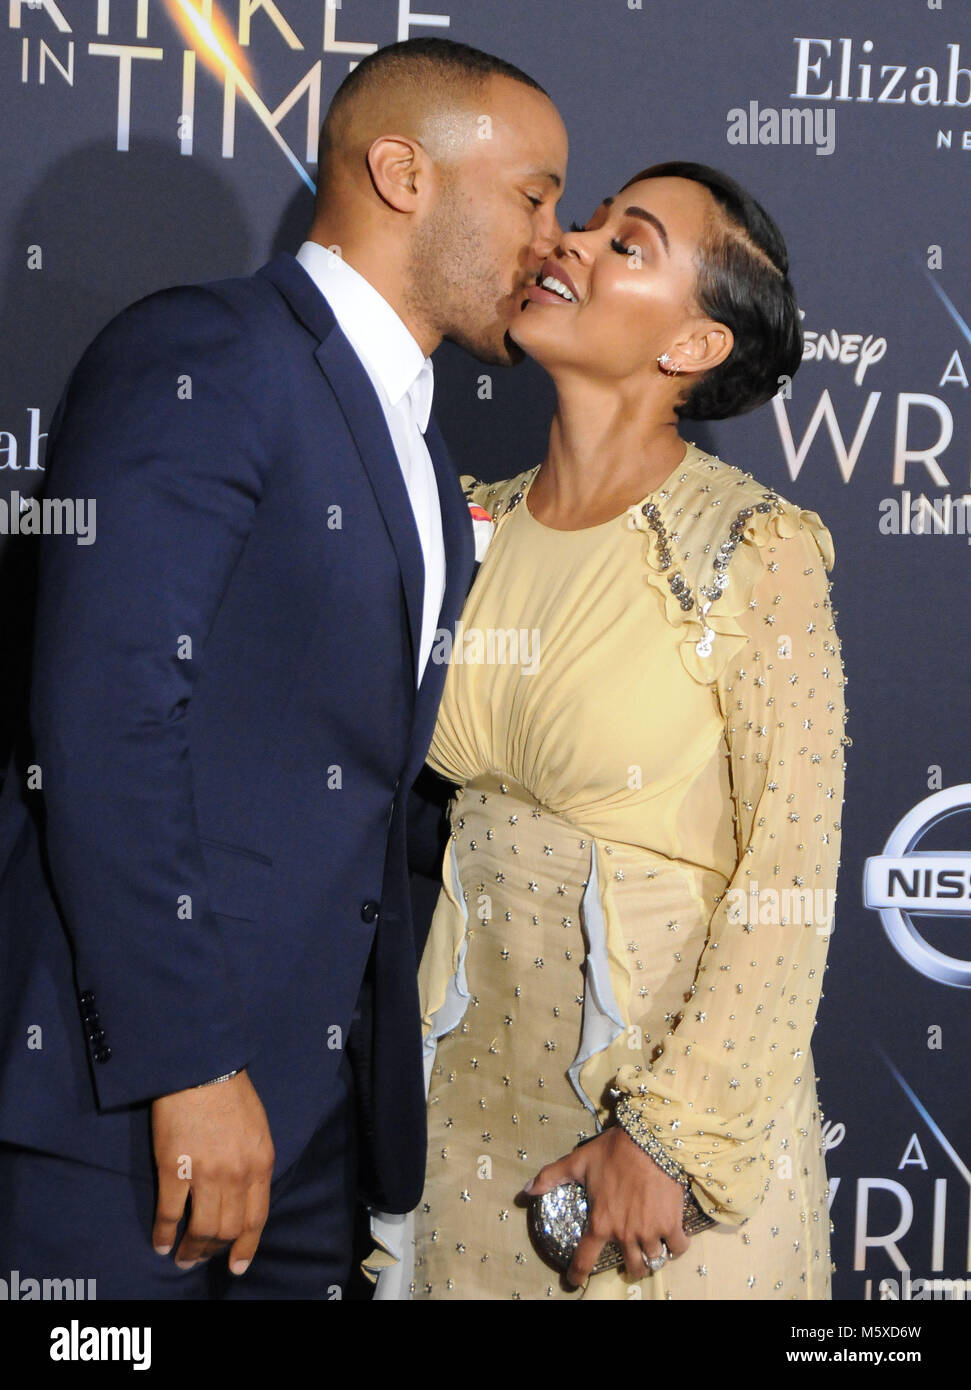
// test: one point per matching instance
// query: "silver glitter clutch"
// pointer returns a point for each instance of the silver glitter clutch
(558, 1218)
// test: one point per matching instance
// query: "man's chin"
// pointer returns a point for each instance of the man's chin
(514, 353)
(497, 352)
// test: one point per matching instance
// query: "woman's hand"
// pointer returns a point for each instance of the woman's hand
(630, 1199)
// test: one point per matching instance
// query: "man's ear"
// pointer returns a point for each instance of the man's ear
(707, 345)
(395, 163)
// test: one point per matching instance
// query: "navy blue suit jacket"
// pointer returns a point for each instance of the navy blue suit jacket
(226, 725)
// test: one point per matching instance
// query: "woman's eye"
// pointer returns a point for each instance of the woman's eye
(618, 246)
(535, 201)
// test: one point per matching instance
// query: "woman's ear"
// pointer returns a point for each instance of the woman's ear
(395, 164)
(702, 349)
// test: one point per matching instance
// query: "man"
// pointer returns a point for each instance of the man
(203, 857)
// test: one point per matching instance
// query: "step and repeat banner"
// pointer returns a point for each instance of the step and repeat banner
(151, 142)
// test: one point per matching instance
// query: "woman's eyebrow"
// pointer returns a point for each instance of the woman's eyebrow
(655, 222)
(645, 216)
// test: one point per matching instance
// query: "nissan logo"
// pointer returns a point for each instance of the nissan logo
(904, 880)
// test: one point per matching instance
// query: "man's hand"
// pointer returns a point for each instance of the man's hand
(631, 1200)
(212, 1141)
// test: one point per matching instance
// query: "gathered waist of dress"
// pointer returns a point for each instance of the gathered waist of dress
(515, 805)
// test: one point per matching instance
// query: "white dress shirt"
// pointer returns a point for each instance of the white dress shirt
(403, 378)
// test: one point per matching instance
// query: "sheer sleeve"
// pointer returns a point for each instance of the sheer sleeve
(740, 1045)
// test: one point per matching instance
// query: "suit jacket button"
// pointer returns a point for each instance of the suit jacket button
(87, 997)
(102, 1054)
(369, 912)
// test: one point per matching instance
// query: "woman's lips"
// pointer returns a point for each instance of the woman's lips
(541, 296)
(557, 272)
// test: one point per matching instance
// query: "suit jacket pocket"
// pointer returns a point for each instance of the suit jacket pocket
(239, 879)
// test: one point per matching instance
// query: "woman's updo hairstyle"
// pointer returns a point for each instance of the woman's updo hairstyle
(743, 282)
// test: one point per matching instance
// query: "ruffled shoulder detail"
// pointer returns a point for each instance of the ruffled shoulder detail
(497, 498)
(706, 540)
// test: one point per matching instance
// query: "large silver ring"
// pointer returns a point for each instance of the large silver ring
(657, 1262)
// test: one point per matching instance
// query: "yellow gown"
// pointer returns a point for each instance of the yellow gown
(638, 889)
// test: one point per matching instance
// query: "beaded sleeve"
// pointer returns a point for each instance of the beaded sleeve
(740, 1045)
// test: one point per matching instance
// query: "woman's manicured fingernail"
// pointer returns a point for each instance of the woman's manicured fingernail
(186, 1264)
(240, 1266)
(529, 1186)
(163, 1249)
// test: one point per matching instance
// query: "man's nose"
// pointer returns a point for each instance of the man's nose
(547, 238)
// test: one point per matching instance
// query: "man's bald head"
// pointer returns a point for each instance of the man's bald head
(428, 90)
(440, 168)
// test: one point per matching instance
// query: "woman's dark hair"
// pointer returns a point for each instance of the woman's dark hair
(743, 282)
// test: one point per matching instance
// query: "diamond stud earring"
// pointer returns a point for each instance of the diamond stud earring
(668, 367)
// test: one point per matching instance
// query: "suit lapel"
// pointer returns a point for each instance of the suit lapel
(365, 419)
(456, 527)
(459, 558)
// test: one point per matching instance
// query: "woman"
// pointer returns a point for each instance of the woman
(631, 934)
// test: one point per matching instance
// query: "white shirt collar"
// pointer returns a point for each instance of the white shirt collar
(376, 333)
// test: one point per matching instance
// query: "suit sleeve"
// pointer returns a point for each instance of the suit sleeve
(160, 433)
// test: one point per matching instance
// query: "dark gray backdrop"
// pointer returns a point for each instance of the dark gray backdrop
(876, 228)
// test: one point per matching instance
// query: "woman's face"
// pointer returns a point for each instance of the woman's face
(630, 277)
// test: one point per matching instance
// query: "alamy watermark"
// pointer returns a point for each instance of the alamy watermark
(83, 1343)
(903, 1288)
(491, 646)
(925, 516)
(23, 1288)
(49, 516)
(795, 125)
(782, 907)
